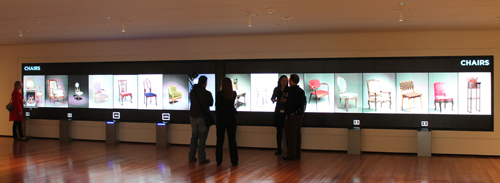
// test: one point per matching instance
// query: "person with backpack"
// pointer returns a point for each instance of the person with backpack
(16, 114)
(201, 100)
(294, 110)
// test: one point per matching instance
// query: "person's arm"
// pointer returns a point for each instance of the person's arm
(275, 95)
(290, 102)
(16, 102)
(210, 99)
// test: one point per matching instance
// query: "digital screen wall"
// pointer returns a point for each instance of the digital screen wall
(451, 93)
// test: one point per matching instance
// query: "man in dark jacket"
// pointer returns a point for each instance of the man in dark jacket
(294, 110)
(201, 100)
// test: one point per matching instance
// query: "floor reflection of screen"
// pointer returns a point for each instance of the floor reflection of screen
(101, 91)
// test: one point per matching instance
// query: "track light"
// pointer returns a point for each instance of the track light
(249, 22)
(400, 16)
(20, 32)
(123, 26)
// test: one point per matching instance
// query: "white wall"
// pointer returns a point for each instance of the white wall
(373, 44)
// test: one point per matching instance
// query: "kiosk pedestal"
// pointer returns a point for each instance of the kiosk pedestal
(424, 142)
(354, 140)
(161, 134)
(64, 135)
(111, 132)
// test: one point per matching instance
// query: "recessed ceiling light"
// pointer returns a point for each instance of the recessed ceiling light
(38, 22)
(270, 10)
(278, 24)
(239, 11)
(401, 3)
(287, 19)
(109, 18)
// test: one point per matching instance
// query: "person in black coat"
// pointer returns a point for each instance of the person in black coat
(279, 96)
(226, 120)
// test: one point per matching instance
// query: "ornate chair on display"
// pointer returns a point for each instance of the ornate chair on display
(55, 92)
(408, 91)
(78, 93)
(473, 85)
(173, 94)
(122, 90)
(376, 95)
(440, 96)
(99, 93)
(342, 85)
(237, 102)
(148, 93)
(30, 87)
(314, 85)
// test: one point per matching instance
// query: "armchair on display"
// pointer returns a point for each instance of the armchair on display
(473, 87)
(78, 93)
(376, 95)
(30, 87)
(314, 85)
(342, 85)
(440, 96)
(408, 91)
(148, 93)
(173, 94)
(122, 90)
(55, 92)
(237, 102)
(99, 93)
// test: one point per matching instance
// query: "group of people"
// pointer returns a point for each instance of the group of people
(290, 102)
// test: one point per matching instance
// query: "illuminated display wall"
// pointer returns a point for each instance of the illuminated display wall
(451, 92)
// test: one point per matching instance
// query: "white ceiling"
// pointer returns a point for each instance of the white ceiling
(84, 20)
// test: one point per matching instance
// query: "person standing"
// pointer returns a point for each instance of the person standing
(201, 100)
(226, 120)
(294, 110)
(279, 94)
(16, 114)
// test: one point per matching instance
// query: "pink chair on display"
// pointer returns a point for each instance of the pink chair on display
(440, 96)
(314, 85)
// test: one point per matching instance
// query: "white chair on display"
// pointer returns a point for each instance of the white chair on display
(342, 85)
(78, 93)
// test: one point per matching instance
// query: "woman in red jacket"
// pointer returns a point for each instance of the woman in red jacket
(17, 114)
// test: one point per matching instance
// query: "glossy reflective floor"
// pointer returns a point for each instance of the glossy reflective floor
(47, 160)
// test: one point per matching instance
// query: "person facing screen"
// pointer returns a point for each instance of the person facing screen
(16, 114)
(226, 120)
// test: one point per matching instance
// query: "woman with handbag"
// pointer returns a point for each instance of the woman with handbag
(16, 114)
(226, 120)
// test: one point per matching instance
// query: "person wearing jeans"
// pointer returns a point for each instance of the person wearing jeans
(201, 100)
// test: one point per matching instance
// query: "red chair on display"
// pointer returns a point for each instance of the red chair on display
(473, 85)
(122, 89)
(148, 93)
(440, 96)
(314, 85)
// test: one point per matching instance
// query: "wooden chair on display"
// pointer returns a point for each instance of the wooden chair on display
(99, 93)
(440, 96)
(376, 95)
(55, 91)
(473, 87)
(342, 85)
(314, 86)
(148, 93)
(408, 91)
(122, 90)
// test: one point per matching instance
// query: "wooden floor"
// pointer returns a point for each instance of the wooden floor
(47, 160)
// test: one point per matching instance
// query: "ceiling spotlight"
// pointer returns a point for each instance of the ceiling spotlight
(109, 18)
(249, 22)
(401, 3)
(270, 10)
(287, 19)
(400, 16)
(38, 22)
(20, 32)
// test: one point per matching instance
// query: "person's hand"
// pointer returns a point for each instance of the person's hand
(283, 100)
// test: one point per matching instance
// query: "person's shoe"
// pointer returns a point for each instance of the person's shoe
(287, 158)
(205, 161)
(193, 160)
(277, 152)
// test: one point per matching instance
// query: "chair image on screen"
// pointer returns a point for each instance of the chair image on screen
(173, 94)
(473, 93)
(78, 94)
(440, 96)
(55, 92)
(148, 93)
(237, 102)
(342, 85)
(99, 93)
(30, 87)
(122, 90)
(408, 91)
(376, 95)
(314, 85)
